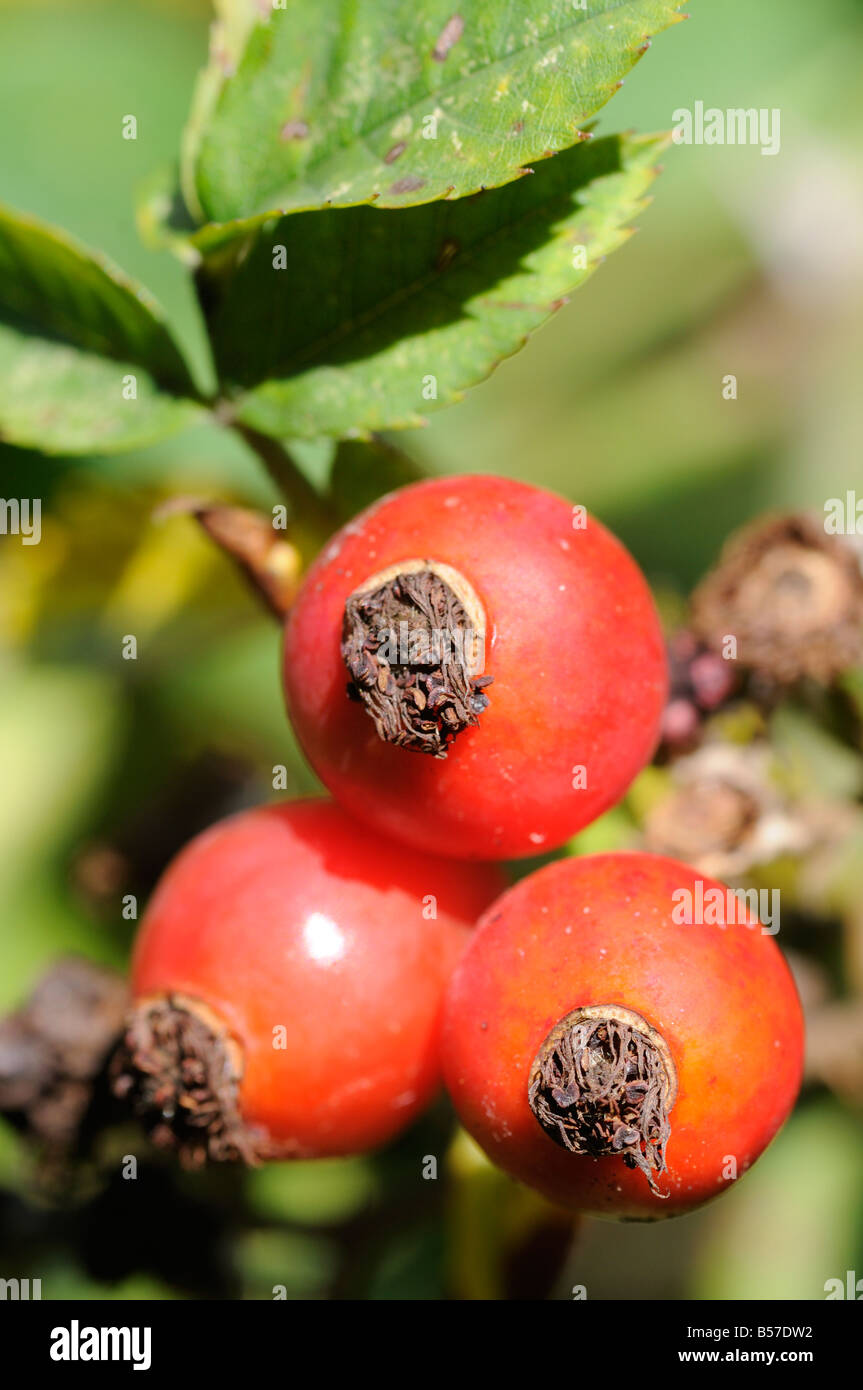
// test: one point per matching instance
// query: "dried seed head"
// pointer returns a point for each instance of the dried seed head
(413, 641)
(707, 817)
(178, 1069)
(603, 1083)
(791, 594)
(726, 812)
(53, 1052)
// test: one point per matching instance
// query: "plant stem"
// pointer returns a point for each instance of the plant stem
(313, 517)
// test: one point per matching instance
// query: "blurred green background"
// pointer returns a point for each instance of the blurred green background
(744, 264)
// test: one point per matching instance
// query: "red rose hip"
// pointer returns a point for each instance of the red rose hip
(617, 1059)
(288, 978)
(505, 660)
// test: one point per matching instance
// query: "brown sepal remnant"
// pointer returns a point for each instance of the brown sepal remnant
(726, 812)
(270, 563)
(427, 695)
(791, 594)
(53, 1052)
(710, 816)
(603, 1083)
(178, 1070)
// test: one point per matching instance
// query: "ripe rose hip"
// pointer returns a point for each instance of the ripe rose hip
(292, 917)
(505, 660)
(618, 1061)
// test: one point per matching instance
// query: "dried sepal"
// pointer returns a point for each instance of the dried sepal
(792, 597)
(602, 1084)
(178, 1070)
(413, 643)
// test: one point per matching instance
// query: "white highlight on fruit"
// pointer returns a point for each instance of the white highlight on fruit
(324, 940)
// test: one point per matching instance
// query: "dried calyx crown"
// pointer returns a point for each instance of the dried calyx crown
(413, 641)
(603, 1083)
(791, 594)
(178, 1069)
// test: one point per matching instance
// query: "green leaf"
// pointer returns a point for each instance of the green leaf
(376, 313)
(777, 1234)
(364, 470)
(344, 102)
(228, 33)
(60, 727)
(813, 761)
(162, 219)
(852, 683)
(321, 1192)
(72, 327)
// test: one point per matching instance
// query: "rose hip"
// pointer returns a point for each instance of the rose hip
(288, 977)
(543, 706)
(618, 1060)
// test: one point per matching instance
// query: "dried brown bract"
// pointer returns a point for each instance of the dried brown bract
(54, 1049)
(725, 813)
(791, 595)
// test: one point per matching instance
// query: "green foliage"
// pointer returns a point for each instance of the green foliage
(370, 308)
(617, 405)
(394, 102)
(58, 733)
(371, 320)
(72, 327)
(364, 470)
(320, 1193)
(779, 1211)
